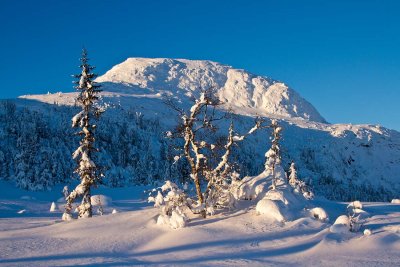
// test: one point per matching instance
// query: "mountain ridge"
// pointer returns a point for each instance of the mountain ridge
(236, 87)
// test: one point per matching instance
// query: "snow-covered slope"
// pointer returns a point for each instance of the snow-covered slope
(343, 161)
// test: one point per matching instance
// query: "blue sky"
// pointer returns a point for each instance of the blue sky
(342, 56)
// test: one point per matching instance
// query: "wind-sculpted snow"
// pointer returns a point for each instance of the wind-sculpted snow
(342, 161)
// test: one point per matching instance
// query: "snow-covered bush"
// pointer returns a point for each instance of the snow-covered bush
(172, 203)
(367, 232)
(319, 214)
(53, 207)
(356, 215)
(355, 205)
(101, 200)
(66, 217)
(353, 221)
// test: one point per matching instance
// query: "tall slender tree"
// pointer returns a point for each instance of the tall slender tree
(273, 154)
(87, 170)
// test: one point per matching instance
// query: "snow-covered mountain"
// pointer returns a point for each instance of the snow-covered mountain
(244, 92)
(343, 161)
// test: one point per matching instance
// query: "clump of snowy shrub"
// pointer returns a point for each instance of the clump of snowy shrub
(66, 217)
(355, 205)
(100, 200)
(356, 215)
(367, 232)
(172, 203)
(53, 207)
(319, 214)
(353, 221)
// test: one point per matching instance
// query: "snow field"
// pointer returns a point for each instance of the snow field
(229, 238)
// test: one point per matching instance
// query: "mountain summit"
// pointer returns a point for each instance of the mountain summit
(243, 92)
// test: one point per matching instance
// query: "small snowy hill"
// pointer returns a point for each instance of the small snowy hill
(343, 161)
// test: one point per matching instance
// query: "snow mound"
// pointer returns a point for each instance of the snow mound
(270, 209)
(175, 221)
(339, 229)
(66, 217)
(355, 205)
(367, 232)
(319, 214)
(102, 200)
(342, 219)
(341, 225)
(395, 201)
(252, 187)
(276, 195)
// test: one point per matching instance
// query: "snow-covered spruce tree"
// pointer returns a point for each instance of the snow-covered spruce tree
(87, 170)
(293, 175)
(299, 186)
(255, 187)
(273, 156)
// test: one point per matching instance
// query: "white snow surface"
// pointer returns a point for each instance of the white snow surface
(238, 237)
(270, 209)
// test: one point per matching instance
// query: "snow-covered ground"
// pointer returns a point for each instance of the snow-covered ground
(31, 235)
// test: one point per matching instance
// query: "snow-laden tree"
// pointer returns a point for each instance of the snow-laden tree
(299, 186)
(273, 156)
(293, 175)
(87, 170)
(214, 173)
(255, 187)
